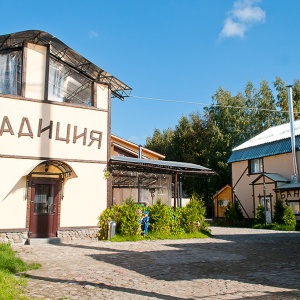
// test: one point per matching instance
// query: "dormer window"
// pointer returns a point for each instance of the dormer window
(67, 85)
(11, 72)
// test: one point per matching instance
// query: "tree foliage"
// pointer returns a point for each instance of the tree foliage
(233, 214)
(208, 138)
(289, 218)
(278, 211)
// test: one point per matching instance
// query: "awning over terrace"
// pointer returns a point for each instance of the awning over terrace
(157, 166)
(122, 168)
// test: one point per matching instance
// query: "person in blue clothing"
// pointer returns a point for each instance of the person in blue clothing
(146, 222)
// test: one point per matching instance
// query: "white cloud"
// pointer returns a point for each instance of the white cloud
(243, 15)
(93, 35)
(232, 29)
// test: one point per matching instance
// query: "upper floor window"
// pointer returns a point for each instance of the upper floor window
(256, 166)
(11, 72)
(67, 85)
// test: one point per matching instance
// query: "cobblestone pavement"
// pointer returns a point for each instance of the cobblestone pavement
(233, 264)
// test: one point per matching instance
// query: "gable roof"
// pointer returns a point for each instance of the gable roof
(133, 148)
(273, 141)
(272, 176)
(227, 186)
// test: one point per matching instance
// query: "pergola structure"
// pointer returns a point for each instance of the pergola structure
(123, 169)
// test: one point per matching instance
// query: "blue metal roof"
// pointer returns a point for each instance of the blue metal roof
(268, 149)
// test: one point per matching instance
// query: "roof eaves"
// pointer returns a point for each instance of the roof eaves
(263, 150)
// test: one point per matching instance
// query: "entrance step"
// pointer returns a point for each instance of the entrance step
(40, 241)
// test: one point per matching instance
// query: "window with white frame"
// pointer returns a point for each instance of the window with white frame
(67, 85)
(295, 206)
(256, 165)
(11, 72)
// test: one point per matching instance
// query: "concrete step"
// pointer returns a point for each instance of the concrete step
(40, 241)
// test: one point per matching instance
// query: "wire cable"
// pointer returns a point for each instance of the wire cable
(215, 105)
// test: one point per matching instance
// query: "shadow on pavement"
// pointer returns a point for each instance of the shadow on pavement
(108, 287)
(267, 259)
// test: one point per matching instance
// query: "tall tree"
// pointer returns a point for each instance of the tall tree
(161, 142)
(266, 114)
(208, 139)
(282, 99)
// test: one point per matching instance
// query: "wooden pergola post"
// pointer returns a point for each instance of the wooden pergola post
(175, 189)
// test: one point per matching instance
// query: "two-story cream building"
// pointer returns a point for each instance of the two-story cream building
(54, 138)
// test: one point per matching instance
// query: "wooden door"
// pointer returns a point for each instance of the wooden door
(43, 208)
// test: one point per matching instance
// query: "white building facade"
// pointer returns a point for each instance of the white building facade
(54, 138)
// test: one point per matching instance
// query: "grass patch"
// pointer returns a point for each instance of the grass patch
(12, 287)
(161, 236)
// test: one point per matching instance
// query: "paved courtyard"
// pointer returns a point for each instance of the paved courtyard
(233, 264)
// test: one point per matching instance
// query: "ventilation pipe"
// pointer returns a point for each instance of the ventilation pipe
(294, 178)
(140, 152)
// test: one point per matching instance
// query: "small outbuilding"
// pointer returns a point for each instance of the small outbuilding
(221, 200)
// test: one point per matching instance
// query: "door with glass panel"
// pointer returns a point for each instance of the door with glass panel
(43, 208)
(267, 203)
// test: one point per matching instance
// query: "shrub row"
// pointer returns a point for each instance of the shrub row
(162, 218)
(283, 219)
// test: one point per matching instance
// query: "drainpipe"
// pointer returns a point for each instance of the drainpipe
(294, 178)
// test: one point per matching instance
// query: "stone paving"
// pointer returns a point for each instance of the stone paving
(233, 264)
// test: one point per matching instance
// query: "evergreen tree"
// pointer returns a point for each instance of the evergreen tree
(233, 214)
(289, 217)
(260, 215)
(278, 211)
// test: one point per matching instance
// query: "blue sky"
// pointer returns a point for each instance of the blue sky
(179, 50)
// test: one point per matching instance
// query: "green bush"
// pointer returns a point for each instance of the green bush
(163, 220)
(260, 215)
(108, 215)
(289, 217)
(233, 214)
(278, 211)
(177, 224)
(193, 219)
(124, 215)
(128, 219)
(160, 217)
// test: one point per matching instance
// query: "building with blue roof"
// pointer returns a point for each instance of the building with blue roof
(262, 171)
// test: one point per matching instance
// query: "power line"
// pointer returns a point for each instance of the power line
(215, 105)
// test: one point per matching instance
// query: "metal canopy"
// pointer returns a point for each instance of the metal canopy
(288, 186)
(65, 169)
(157, 166)
(70, 57)
(272, 176)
